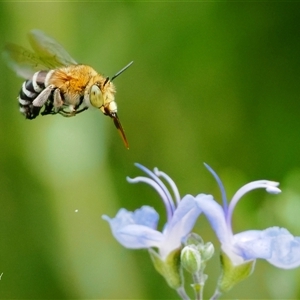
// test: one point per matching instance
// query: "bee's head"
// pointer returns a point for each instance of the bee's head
(102, 97)
(104, 100)
(101, 94)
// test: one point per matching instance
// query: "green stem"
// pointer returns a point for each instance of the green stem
(198, 285)
(216, 295)
(182, 293)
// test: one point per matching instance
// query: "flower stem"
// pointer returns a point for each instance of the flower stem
(182, 293)
(216, 295)
(198, 289)
(198, 285)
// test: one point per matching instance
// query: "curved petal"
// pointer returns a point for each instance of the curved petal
(252, 244)
(285, 248)
(216, 217)
(138, 237)
(181, 224)
(274, 244)
(136, 230)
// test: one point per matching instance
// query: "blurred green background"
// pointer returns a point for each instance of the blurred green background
(211, 82)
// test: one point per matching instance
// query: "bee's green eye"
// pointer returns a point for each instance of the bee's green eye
(96, 97)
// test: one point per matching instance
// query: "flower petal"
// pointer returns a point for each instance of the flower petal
(274, 244)
(285, 248)
(136, 230)
(216, 217)
(181, 224)
(252, 244)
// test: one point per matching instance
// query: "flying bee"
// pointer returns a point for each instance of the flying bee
(56, 83)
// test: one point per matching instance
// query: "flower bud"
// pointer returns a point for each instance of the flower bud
(191, 259)
(207, 251)
(194, 239)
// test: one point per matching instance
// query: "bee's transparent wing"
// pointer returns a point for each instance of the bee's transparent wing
(24, 62)
(48, 54)
(49, 50)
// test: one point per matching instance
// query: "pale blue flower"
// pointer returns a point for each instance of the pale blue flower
(274, 244)
(138, 229)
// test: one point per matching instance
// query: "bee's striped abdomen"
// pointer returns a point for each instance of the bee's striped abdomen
(30, 90)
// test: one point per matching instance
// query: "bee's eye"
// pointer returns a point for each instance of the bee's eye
(96, 97)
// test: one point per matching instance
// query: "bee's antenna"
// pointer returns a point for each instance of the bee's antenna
(106, 81)
(121, 71)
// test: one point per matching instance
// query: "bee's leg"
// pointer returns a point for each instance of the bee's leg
(48, 108)
(81, 110)
(65, 113)
(73, 110)
(57, 100)
(38, 102)
(41, 99)
(72, 113)
(78, 105)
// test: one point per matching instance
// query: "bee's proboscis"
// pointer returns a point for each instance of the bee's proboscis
(120, 129)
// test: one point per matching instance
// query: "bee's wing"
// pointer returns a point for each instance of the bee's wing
(48, 54)
(24, 62)
(49, 50)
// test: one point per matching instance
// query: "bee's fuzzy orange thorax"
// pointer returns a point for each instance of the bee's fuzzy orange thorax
(73, 80)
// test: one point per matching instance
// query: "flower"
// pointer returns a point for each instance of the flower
(138, 229)
(276, 245)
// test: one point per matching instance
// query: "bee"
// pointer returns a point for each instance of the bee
(56, 83)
